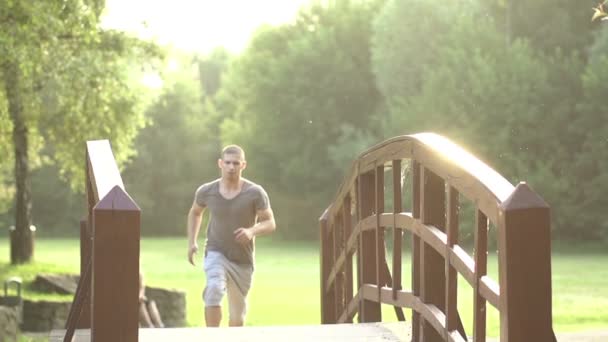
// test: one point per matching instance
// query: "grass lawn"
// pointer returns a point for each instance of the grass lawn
(286, 282)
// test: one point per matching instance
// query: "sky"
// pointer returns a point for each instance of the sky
(198, 25)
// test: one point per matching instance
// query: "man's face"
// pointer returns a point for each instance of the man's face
(232, 165)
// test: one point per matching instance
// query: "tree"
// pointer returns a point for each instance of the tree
(179, 149)
(504, 102)
(293, 98)
(65, 81)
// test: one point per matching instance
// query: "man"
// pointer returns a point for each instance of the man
(235, 205)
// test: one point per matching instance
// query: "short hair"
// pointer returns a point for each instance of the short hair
(233, 149)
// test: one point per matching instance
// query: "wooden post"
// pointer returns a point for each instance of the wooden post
(416, 188)
(380, 248)
(481, 269)
(370, 310)
(432, 267)
(525, 267)
(339, 280)
(348, 294)
(84, 320)
(327, 297)
(115, 266)
(451, 296)
(397, 232)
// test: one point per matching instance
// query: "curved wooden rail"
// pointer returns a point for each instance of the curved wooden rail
(441, 173)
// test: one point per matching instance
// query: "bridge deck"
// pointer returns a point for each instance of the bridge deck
(374, 332)
(385, 332)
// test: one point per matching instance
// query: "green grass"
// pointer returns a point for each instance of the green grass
(286, 282)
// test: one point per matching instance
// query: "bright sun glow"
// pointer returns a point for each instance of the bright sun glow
(198, 25)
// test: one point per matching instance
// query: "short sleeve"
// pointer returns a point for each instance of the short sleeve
(200, 197)
(261, 201)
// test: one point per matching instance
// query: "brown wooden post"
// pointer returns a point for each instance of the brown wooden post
(416, 188)
(115, 278)
(432, 212)
(339, 280)
(481, 269)
(451, 296)
(84, 320)
(397, 232)
(348, 294)
(327, 297)
(379, 209)
(525, 267)
(370, 311)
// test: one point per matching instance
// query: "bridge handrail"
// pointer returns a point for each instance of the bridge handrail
(107, 297)
(521, 216)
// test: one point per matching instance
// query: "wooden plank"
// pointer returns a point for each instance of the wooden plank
(463, 262)
(451, 305)
(372, 332)
(339, 243)
(379, 209)
(115, 267)
(370, 311)
(103, 170)
(481, 269)
(432, 212)
(524, 248)
(397, 232)
(327, 293)
(348, 281)
(416, 187)
(490, 291)
(84, 321)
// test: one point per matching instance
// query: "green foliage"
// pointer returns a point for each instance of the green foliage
(69, 82)
(178, 150)
(514, 106)
(547, 24)
(293, 97)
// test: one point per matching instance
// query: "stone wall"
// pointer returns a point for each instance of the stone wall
(9, 326)
(171, 305)
(42, 315)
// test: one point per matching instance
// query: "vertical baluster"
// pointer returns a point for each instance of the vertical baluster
(348, 283)
(327, 297)
(416, 185)
(371, 309)
(432, 212)
(380, 252)
(481, 262)
(397, 232)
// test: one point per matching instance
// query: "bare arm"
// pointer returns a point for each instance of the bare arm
(195, 216)
(265, 226)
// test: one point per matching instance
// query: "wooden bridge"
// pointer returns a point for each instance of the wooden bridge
(105, 307)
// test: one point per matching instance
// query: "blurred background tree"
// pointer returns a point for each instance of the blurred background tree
(521, 84)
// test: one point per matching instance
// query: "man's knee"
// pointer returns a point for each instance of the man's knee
(213, 293)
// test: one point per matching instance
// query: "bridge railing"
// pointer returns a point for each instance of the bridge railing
(356, 222)
(107, 297)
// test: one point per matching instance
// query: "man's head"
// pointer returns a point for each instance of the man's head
(232, 162)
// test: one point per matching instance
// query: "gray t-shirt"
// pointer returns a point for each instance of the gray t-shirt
(227, 215)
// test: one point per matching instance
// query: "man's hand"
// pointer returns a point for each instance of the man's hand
(193, 249)
(243, 235)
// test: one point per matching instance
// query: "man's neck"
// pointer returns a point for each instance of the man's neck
(229, 184)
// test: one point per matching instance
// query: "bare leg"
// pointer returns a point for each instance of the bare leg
(144, 317)
(155, 315)
(235, 323)
(213, 316)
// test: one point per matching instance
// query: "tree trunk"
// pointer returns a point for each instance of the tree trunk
(22, 237)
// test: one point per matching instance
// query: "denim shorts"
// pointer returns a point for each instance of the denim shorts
(226, 277)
